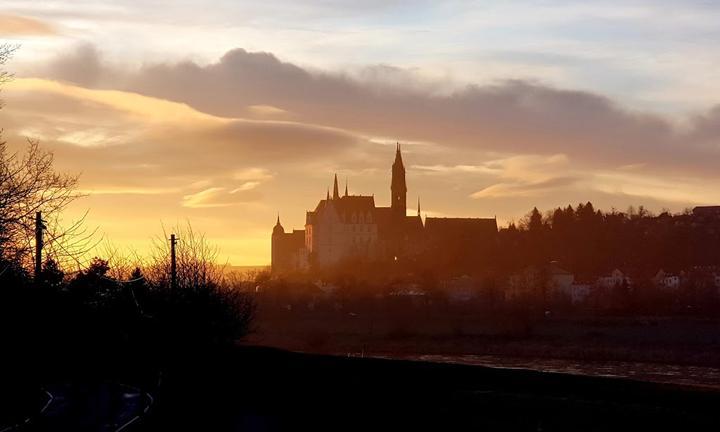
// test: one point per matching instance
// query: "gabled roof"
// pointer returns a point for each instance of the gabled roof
(347, 205)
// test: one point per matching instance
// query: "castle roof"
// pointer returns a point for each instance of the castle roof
(345, 206)
(354, 204)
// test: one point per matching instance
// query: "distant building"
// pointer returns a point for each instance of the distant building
(352, 227)
(288, 249)
(614, 279)
(559, 280)
(667, 281)
(580, 292)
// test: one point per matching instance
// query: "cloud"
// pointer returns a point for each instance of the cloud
(266, 111)
(81, 66)
(216, 197)
(510, 117)
(16, 25)
(518, 132)
(506, 190)
(126, 143)
(205, 141)
(253, 174)
(129, 191)
(245, 187)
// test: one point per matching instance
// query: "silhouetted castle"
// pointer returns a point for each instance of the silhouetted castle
(352, 227)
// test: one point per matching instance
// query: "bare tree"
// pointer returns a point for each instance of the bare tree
(197, 260)
(6, 52)
(28, 184)
(122, 263)
(203, 308)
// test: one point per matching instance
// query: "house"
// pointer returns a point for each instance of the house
(580, 291)
(614, 279)
(559, 280)
(667, 281)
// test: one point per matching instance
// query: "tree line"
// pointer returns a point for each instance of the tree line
(590, 242)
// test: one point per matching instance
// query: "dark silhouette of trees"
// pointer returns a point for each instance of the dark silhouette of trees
(589, 242)
(204, 308)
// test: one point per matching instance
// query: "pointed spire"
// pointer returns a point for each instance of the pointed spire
(398, 156)
(327, 197)
(278, 229)
(418, 206)
(346, 184)
(336, 193)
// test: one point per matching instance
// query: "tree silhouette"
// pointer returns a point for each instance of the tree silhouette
(28, 184)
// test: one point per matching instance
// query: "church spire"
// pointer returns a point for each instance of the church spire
(336, 193)
(418, 206)
(327, 197)
(398, 187)
(346, 190)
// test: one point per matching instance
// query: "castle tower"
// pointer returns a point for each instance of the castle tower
(276, 246)
(398, 188)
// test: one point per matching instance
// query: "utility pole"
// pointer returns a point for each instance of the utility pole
(173, 262)
(39, 227)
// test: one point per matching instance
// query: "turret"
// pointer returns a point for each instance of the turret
(336, 192)
(398, 188)
(276, 245)
(278, 228)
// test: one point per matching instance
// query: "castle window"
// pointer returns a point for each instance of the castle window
(354, 218)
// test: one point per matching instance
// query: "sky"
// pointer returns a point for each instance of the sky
(226, 115)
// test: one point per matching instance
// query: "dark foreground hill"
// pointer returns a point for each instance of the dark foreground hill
(260, 389)
(263, 389)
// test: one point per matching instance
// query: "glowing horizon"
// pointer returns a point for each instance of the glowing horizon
(557, 103)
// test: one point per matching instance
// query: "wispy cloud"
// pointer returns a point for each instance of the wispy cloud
(510, 190)
(16, 25)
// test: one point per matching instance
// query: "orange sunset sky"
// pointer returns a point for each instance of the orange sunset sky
(224, 116)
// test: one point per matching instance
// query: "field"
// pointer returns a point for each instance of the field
(603, 346)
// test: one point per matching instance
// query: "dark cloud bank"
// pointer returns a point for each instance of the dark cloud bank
(508, 117)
